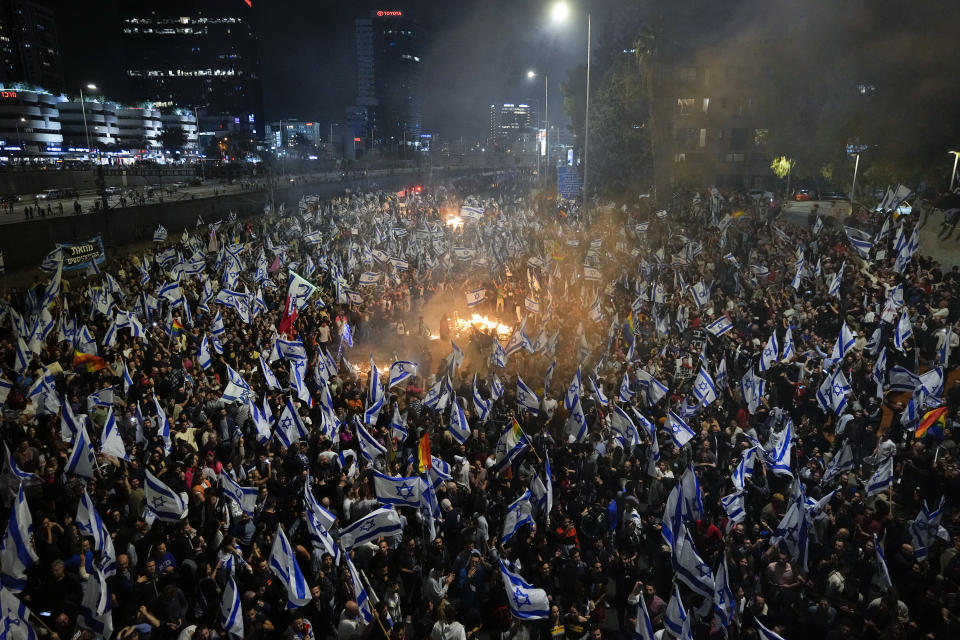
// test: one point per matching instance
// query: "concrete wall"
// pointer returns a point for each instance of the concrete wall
(30, 183)
(24, 244)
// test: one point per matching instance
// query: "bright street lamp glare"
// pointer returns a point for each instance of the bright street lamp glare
(92, 87)
(531, 74)
(560, 11)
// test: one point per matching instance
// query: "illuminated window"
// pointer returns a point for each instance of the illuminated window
(706, 104)
(703, 137)
(685, 106)
(679, 157)
(760, 137)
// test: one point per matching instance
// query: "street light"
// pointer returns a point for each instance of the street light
(546, 119)
(853, 187)
(559, 13)
(83, 110)
(953, 176)
(20, 138)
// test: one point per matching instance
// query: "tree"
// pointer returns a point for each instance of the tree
(173, 138)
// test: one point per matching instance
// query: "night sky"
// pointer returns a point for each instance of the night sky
(475, 52)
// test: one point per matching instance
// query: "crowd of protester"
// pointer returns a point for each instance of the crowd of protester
(599, 547)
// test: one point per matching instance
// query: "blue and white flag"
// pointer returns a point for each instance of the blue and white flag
(95, 607)
(701, 294)
(573, 392)
(480, 404)
(527, 400)
(160, 235)
(15, 615)
(368, 278)
(360, 592)
(789, 348)
(459, 426)
(319, 522)
(577, 422)
(381, 523)
(675, 616)
(644, 627)
(841, 462)
(690, 567)
(518, 514)
(525, 601)
(231, 613)
(370, 449)
(81, 461)
(792, 532)
(163, 425)
(16, 548)
(844, 343)
(720, 326)
(496, 387)
(859, 240)
(925, 528)
(400, 371)
(903, 331)
(882, 478)
(598, 392)
(290, 426)
(270, 378)
(499, 356)
(724, 601)
(832, 394)
(621, 424)
(244, 497)
(398, 425)
(764, 633)
(284, 565)
(405, 492)
(704, 388)
(299, 290)
(90, 524)
(476, 297)
(162, 501)
(511, 446)
(882, 572)
(777, 451)
(837, 281)
(770, 352)
(110, 442)
(680, 431)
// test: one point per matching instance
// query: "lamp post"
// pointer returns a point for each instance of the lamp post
(953, 176)
(83, 110)
(853, 187)
(559, 13)
(546, 121)
(23, 149)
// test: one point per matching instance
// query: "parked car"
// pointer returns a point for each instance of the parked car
(10, 199)
(833, 194)
(804, 194)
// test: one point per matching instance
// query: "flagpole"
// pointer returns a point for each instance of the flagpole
(529, 440)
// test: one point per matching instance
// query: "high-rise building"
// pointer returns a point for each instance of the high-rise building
(388, 59)
(198, 54)
(29, 46)
(508, 122)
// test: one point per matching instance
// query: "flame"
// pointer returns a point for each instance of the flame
(455, 222)
(485, 323)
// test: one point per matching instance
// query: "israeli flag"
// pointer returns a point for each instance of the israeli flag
(381, 523)
(231, 613)
(701, 294)
(680, 431)
(111, 443)
(576, 425)
(475, 297)
(163, 425)
(471, 213)
(244, 497)
(405, 492)
(269, 377)
(704, 387)
(525, 601)
(778, 457)
(160, 235)
(675, 617)
(881, 478)
(622, 425)
(832, 394)
(15, 614)
(459, 427)
(480, 404)
(162, 501)
(926, 528)
(590, 273)
(789, 349)
(496, 388)
(289, 427)
(764, 633)
(690, 567)
(81, 462)
(860, 241)
(398, 427)
(368, 278)
(360, 592)
(499, 356)
(16, 550)
(770, 352)
(841, 462)
(370, 449)
(720, 326)
(90, 524)
(319, 523)
(598, 391)
(903, 331)
(837, 281)
(844, 343)
(518, 514)
(527, 400)
(400, 371)
(284, 565)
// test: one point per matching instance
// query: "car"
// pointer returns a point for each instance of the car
(10, 199)
(761, 195)
(57, 194)
(112, 191)
(833, 194)
(805, 194)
